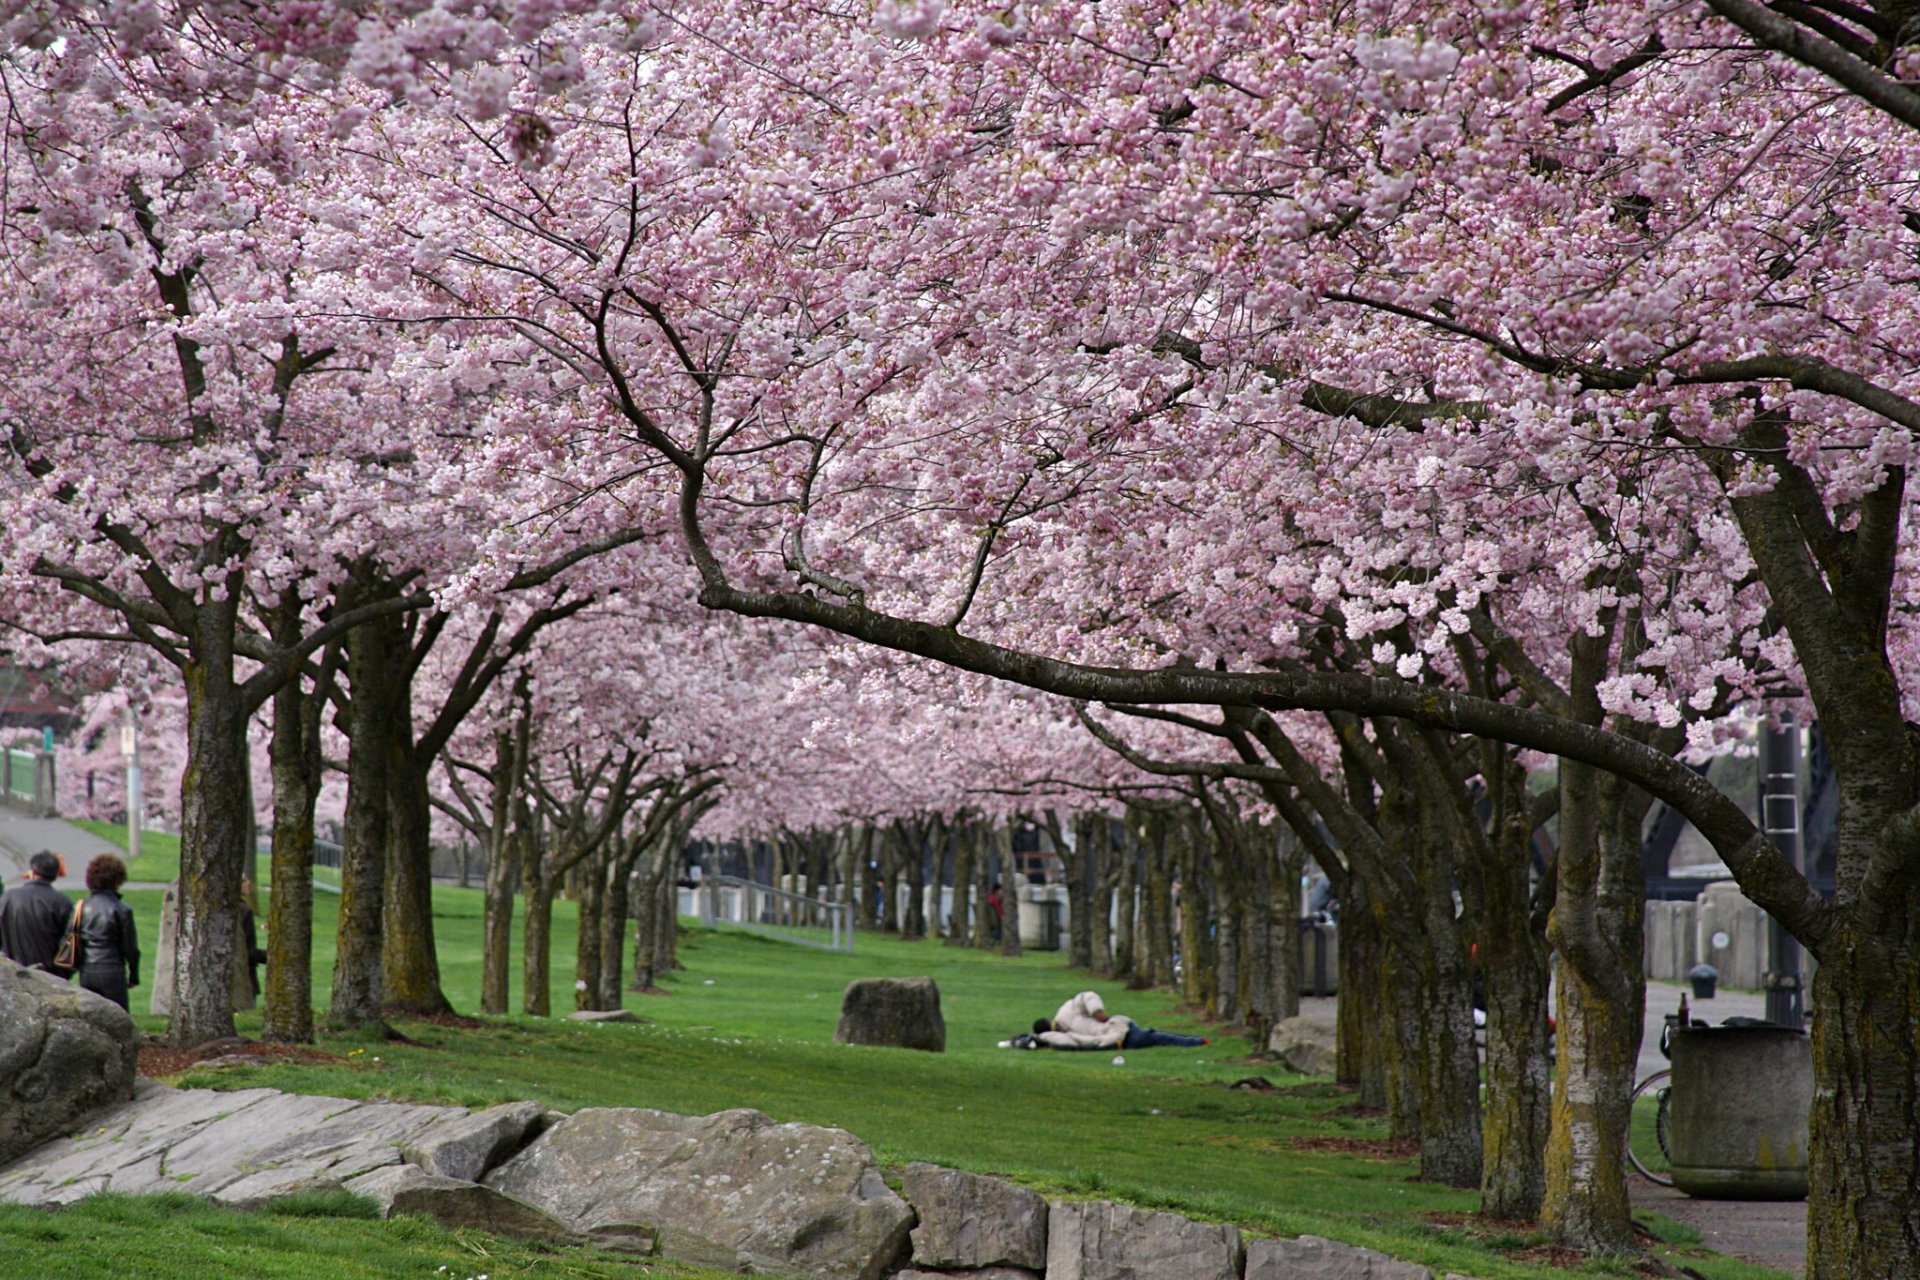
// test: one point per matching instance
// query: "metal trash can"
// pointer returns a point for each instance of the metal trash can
(1739, 1107)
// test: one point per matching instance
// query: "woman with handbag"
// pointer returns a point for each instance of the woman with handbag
(109, 949)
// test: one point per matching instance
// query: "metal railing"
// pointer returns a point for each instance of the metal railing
(776, 913)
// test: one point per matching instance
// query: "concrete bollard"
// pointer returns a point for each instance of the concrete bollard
(1740, 1101)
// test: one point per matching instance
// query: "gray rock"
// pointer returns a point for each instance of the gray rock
(603, 1015)
(242, 1148)
(984, 1273)
(64, 1054)
(734, 1191)
(1100, 1240)
(899, 1013)
(969, 1221)
(1311, 1258)
(408, 1189)
(1304, 1045)
(466, 1146)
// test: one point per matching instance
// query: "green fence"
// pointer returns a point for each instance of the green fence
(26, 779)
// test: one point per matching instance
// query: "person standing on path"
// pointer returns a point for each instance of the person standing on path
(35, 916)
(109, 948)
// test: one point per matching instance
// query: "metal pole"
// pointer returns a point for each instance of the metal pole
(130, 748)
(1780, 819)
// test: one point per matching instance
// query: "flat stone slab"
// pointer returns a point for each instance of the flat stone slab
(240, 1148)
(603, 1015)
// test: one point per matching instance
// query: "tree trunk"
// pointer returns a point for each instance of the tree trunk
(295, 753)
(1863, 1214)
(1196, 976)
(537, 943)
(1126, 912)
(586, 951)
(1157, 913)
(410, 963)
(1009, 889)
(615, 904)
(357, 989)
(1082, 869)
(666, 934)
(646, 923)
(913, 852)
(1598, 932)
(1286, 860)
(496, 960)
(1514, 976)
(966, 841)
(1109, 853)
(213, 835)
(1361, 1058)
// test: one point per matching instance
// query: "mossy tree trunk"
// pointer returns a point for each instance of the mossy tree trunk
(1103, 870)
(1126, 891)
(358, 994)
(966, 836)
(294, 753)
(1076, 854)
(213, 833)
(1282, 899)
(1009, 888)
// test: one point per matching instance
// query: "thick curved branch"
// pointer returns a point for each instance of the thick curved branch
(1869, 83)
(1767, 877)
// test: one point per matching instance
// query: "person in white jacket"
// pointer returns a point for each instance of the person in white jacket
(1084, 1023)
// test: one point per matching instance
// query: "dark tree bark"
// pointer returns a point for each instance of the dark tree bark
(357, 986)
(294, 752)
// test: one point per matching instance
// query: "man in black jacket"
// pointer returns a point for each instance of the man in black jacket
(35, 916)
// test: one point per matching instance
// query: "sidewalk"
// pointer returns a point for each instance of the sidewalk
(21, 837)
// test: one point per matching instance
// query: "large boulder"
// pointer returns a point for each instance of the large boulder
(64, 1054)
(735, 1191)
(1101, 1240)
(899, 1013)
(1305, 1045)
(968, 1221)
(1311, 1258)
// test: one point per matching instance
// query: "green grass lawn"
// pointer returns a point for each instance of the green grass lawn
(176, 1237)
(750, 1022)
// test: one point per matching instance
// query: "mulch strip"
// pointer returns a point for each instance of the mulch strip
(158, 1061)
(1372, 1148)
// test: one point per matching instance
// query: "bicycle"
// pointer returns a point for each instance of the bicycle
(1648, 1135)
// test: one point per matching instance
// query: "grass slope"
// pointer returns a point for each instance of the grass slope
(750, 1023)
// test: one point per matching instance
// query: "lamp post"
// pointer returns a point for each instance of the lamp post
(1780, 819)
(130, 748)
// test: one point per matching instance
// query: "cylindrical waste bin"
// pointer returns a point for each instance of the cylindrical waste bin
(1739, 1110)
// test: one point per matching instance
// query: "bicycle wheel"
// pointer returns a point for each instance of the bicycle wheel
(1649, 1128)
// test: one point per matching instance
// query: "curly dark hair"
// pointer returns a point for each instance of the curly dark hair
(106, 873)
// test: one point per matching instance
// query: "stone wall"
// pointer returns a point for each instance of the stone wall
(735, 1190)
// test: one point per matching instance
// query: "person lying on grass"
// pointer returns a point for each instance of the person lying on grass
(1084, 1023)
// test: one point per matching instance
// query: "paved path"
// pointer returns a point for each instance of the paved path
(21, 837)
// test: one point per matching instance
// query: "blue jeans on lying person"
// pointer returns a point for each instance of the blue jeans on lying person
(1139, 1037)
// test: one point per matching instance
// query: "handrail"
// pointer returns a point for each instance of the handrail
(775, 913)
